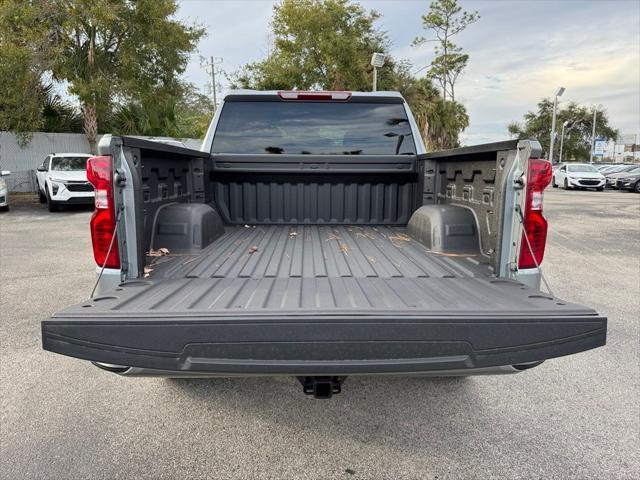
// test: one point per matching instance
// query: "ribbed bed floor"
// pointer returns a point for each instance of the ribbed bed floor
(321, 252)
(321, 269)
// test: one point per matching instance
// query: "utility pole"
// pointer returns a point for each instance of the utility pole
(593, 134)
(213, 81)
(211, 64)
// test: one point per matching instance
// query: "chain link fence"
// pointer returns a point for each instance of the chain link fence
(22, 181)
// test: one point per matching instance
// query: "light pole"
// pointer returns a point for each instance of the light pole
(559, 93)
(593, 134)
(377, 60)
(564, 124)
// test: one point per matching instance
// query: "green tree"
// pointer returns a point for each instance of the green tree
(327, 45)
(59, 115)
(183, 115)
(27, 103)
(109, 52)
(195, 112)
(119, 49)
(446, 120)
(445, 19)
(318, 44)
(577, 139)
(25, 55)
(440, 122)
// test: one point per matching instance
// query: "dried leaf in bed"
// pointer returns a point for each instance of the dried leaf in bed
(159, 252)
(400, 237)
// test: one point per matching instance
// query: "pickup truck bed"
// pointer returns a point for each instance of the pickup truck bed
(313, 235)
(286, 299)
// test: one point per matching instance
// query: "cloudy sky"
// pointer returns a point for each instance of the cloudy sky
(520, 51)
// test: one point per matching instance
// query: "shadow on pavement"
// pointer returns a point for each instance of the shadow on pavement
(379, 410)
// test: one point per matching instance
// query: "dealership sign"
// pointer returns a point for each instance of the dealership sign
(599, 146)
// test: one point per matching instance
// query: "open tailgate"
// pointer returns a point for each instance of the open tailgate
(320, 326)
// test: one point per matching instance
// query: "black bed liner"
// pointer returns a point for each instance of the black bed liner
(321, 300)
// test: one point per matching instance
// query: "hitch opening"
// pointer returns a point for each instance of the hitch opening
(321, 387)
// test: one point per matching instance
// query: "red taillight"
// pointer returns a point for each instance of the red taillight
(103, 220)
(535, 225)
(303, 95)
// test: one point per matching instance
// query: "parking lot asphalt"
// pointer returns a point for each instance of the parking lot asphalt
(572, 417)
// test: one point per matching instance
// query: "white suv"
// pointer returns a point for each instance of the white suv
(4, 191)
(62, 180)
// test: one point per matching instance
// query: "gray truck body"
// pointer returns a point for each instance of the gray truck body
(320, 265)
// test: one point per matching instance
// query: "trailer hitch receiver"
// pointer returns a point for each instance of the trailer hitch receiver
(321, 387)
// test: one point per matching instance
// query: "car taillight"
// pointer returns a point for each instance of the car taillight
(103, 220)
(539, 174)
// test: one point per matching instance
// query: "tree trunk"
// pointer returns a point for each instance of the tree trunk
(89, 108)
(444, 63)
(337, 84)
(424, 130)
(90, 125)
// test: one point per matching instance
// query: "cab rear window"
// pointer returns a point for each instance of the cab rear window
(313, 128)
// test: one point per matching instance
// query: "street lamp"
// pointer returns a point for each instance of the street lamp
(593, 132)
(564, 124)
(553, 121)
(377, 60)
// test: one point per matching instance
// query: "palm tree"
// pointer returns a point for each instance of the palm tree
(57, 114)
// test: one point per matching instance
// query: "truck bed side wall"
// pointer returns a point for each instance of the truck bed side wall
(476, 180)
(158, 175)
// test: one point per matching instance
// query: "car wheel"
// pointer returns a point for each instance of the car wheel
(637, 187)
(566, 184)
(51, 205)
(41, 196)
(553, 182)
(600, 189)
(4, 209)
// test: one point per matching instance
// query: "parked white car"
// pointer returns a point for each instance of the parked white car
(4, 191)
(578, 175)
(62, 180)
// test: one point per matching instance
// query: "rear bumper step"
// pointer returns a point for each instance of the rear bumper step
(328, 346)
